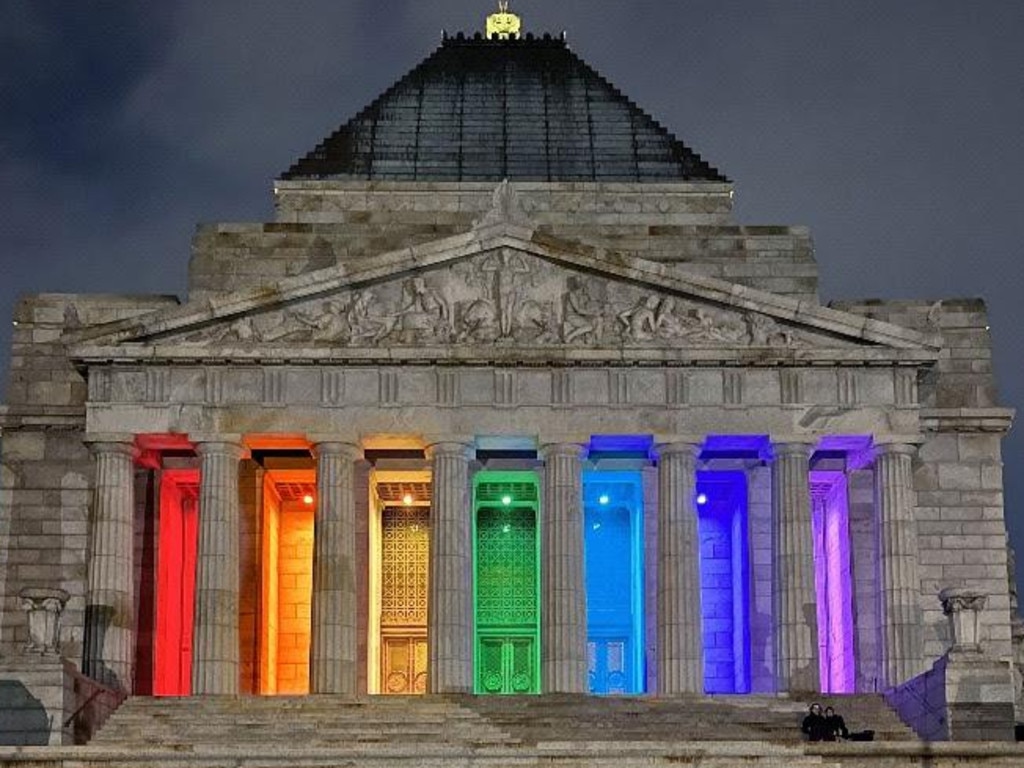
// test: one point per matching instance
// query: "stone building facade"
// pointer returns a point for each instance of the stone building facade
(451, 423)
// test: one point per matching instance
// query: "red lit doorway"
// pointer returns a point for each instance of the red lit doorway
(176, 573)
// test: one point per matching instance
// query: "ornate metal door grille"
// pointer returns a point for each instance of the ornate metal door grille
(507, 607)
(405, 553)
(506, 567)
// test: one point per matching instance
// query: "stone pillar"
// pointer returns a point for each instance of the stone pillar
(680, 628)
(333, 657)
(109, 612)
(563, 644)
(44, 607)
(793, 591)
(963, 607)
(898, 567)
(215, 650)
(450, 601)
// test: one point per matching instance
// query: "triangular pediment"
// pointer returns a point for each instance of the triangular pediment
(504, 292)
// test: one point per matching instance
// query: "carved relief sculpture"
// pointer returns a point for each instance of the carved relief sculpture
(505, 296)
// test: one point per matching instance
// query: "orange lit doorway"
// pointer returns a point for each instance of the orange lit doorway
(176, 577)
(400, 537)
(289, 497)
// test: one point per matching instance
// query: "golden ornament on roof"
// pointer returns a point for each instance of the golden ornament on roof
(503, 23)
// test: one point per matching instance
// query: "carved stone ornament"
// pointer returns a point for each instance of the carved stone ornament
(44, 608)
(964, 607)
(506, 208)
(506, 297)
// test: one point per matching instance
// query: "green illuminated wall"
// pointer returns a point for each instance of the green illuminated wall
(506, 595)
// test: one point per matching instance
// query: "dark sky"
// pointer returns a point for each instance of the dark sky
(893, 129)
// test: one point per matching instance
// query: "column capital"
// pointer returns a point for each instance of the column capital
(793, 447)
(574, 450)
(331, 445)
(122, 443)
(690, 447)
(891, 448)
(207, 445)
(451, 447)
(956, 599)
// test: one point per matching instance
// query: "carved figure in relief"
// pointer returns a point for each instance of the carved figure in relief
(580, 319)
(671, 325)
(241, 330)
(477, 321)
(329, 324)
(424, 313)
(275, 326)
(766, 332)
(364, 325)
(641, 322)
(534, 322)
(505, 266)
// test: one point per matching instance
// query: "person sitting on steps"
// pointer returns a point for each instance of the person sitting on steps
(813, 726)
(835, 726)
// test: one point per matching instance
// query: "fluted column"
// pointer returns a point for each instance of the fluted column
(109, 612)
(680, 632)
(793, 590)
(563, 644)
(333, 655)
(450, 601)
(898, 562)
(215, 649)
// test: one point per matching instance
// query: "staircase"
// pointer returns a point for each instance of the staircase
(443, 732)
(535, 719)
(567, 731)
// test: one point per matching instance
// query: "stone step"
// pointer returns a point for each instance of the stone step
(627, 754)
(474, 721)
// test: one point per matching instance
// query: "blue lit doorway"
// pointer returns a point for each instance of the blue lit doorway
(613, 520)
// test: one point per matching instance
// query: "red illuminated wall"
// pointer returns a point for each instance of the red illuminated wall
(175, 591)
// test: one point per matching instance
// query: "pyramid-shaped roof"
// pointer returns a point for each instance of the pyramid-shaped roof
(525, 109)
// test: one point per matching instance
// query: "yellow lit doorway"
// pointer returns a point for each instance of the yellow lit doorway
(400, 543)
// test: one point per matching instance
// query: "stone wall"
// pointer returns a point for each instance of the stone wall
(958, 472)
(326, 224)
(45, 488)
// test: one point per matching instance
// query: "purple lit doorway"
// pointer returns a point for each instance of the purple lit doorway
(830, 525)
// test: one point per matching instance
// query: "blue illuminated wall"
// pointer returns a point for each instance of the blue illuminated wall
(613, 514)
(721, 505)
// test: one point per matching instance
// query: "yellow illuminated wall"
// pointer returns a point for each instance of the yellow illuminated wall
(287, 588)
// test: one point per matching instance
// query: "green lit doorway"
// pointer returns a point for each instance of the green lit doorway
(506, 556)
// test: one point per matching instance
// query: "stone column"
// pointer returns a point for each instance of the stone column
(897, 555)
(450, 601)
(563, 644)
(215, 650)
(793, 590)
(109, 612)
(333, 656)
(680, 628)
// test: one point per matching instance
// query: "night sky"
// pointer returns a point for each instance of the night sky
(895, 130)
